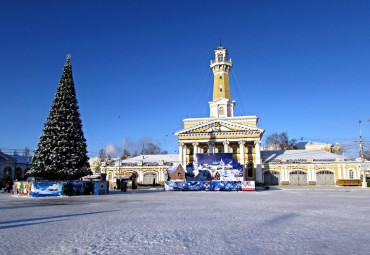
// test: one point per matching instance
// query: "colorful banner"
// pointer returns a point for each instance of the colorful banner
(46, 189)
(55, 188)
(210, 186)
(214, 167)
(22, 188)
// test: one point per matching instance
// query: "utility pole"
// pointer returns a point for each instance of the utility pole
(361, 140)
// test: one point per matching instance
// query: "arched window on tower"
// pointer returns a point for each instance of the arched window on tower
(220, 88)
(220, 149)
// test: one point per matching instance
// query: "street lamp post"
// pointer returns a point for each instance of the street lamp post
(364, 181)
(361, 140)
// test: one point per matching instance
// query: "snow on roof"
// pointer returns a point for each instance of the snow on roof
(153, 158)
(173, 168)
(94, 159)
(297, 155)
(2, 159)
(310, 144)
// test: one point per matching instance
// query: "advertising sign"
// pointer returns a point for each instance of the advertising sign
(248, 186)
(215, 167)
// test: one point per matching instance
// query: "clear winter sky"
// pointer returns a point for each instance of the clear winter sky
(141, 67)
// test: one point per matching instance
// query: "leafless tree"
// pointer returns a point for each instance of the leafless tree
(102, 154)
(280, 141)
(26, 152)
(126, 154)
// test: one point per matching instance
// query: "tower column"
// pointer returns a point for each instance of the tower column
(210, 146)
(257, 145)
(184, 156)
(241, 152)
(226, 146)
(180, 152)
(195, 146)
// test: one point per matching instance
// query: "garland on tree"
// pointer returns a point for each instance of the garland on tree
(61, 153)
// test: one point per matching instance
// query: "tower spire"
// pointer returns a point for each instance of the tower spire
(221, 106)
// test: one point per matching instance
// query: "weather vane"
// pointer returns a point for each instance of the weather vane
(68, 56)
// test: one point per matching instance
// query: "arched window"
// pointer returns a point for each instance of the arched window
(235, 149)
(220, 149)
(205, 149)
(18, 173)
(110, 176)
(351, 174)
(7, 171)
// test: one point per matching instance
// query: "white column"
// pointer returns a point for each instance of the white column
(257, 145)
(180, 152)
(339, 172)
(195, 145)
(241, 157)
(241, 152)
(226, 146)
(364, 182)
(140, 179)
(184, 157)
(210, 146)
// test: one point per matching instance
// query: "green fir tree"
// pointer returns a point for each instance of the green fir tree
(61, 153)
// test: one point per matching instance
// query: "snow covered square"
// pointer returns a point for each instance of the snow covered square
(277, 221)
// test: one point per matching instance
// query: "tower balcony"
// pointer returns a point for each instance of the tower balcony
(227, 62)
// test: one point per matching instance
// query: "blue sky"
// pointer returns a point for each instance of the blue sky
(140, 67)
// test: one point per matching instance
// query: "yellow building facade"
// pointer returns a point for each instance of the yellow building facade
(149, 168)
(313, 164)
(222, 132)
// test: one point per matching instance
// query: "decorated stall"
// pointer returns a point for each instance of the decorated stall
(211, 172)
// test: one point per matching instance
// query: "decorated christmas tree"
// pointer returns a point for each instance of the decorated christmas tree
(61, 153)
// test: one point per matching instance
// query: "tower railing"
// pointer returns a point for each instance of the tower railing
(216, 61)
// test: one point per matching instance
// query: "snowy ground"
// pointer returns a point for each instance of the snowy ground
(289, 221)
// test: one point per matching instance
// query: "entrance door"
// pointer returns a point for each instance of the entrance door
(325, 178)
(149, 177)
(298, 178)
(271, 177)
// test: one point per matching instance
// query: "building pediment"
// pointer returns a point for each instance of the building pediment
(219, 127)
